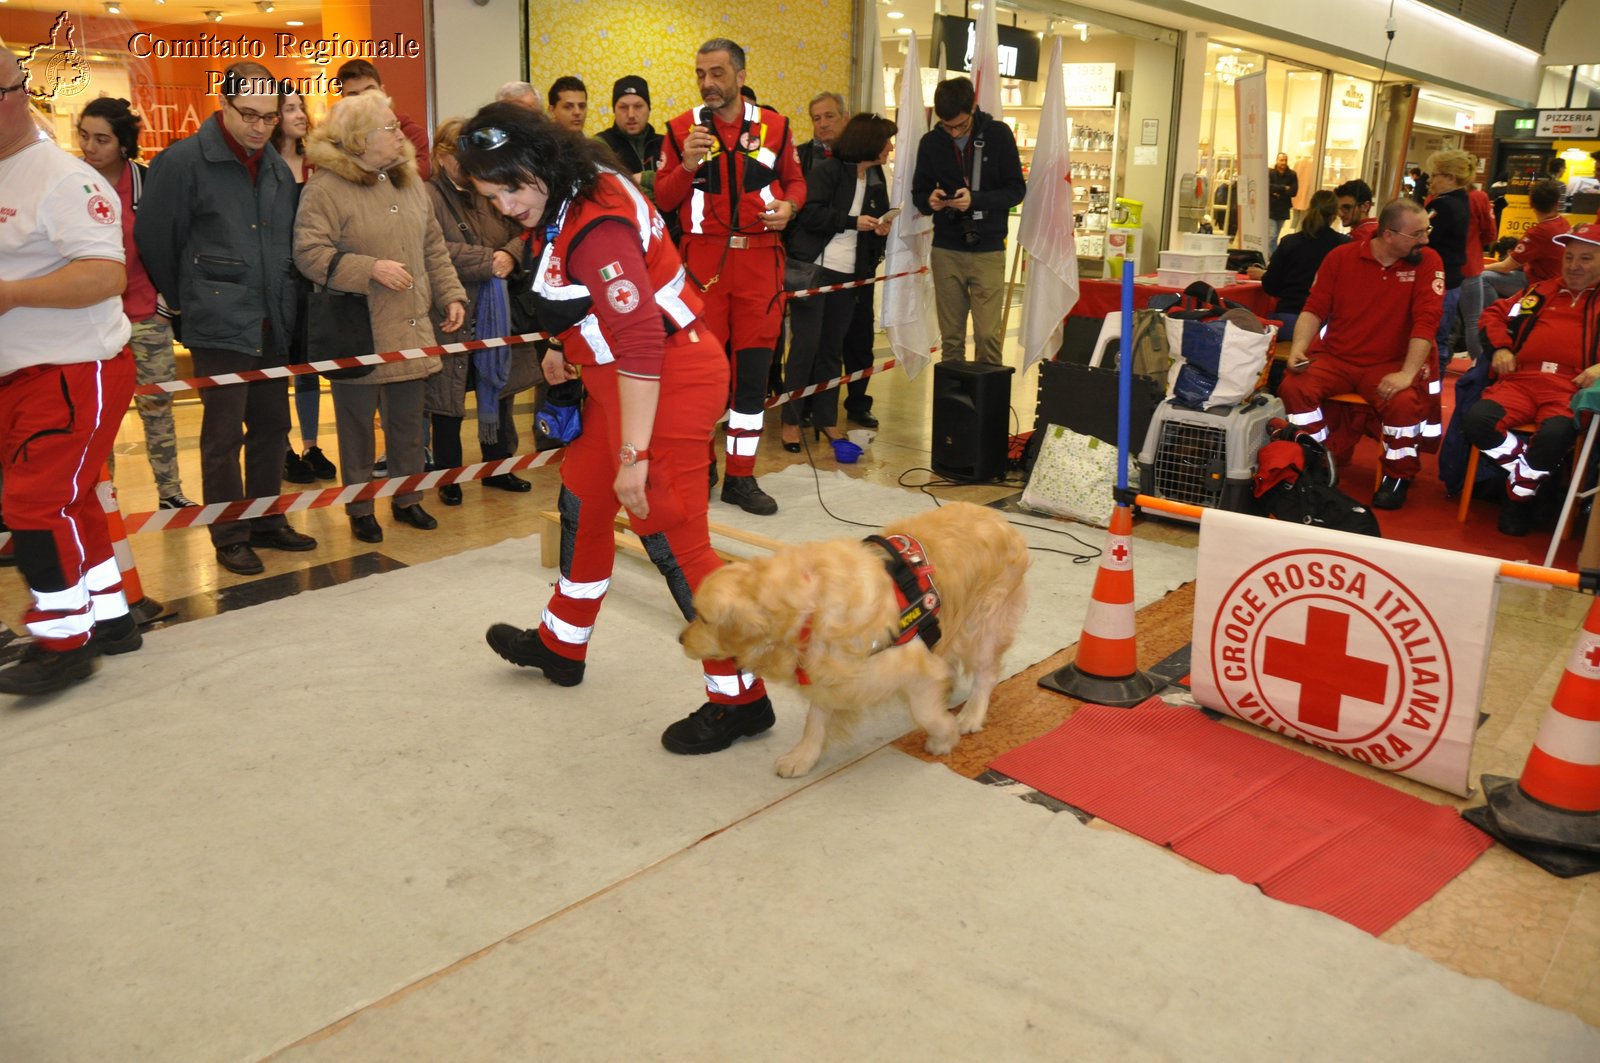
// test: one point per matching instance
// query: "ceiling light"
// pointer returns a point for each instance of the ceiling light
(895, 14)
(214, 16)
(907, 30)
(294, 22)
(113, 9)
(264, 6)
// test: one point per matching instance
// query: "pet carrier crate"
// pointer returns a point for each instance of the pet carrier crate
(1205, 457)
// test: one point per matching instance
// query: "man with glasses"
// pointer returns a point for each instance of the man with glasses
(216, 233)
(1355, 209)
(66, 376)
(968, 177)
(1381, 300)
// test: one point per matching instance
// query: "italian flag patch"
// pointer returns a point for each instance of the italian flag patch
(611, 272)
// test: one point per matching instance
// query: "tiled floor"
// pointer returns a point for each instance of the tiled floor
(1503, 919)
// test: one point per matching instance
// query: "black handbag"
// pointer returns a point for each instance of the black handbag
(338, 325)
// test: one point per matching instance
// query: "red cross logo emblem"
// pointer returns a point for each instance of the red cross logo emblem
(623, 296)
(100, 210)
(1119, 552)
(1593, 656)
(1326, 673)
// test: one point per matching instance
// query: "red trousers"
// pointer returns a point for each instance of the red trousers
(694, 386)
(57, 426)
(1402, 416)
(743, 309)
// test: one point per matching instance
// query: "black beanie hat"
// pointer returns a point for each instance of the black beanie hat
(630, 86)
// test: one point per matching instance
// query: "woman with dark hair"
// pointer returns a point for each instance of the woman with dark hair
(108, 134)
(840, 237)
(309, 464)
(610, 289)
(484, 246)
(1299, 256)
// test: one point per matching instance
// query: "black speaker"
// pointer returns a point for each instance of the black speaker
(971, 410)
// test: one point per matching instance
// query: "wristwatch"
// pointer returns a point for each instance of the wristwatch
(631, 455)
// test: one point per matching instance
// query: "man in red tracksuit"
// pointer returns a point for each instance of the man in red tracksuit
(1546, 347)
(731, 172)
(1381, 300)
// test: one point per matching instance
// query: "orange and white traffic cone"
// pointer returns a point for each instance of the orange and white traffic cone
(1552, 814)
(145, 610)
(1106, 670)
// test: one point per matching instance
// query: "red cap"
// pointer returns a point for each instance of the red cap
(1589, 234)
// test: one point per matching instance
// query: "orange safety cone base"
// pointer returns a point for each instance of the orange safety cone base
(1119, 692)
(1566, 844)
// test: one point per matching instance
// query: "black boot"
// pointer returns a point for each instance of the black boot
(42, 671)
(714, 727)
(1391, 493)
(524, 647)
(116, 636)
(1516, 517)
(744, 492)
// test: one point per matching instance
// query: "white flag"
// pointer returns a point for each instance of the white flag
(986, 62)
(1046, 231)
(871, 100)
(908, 302)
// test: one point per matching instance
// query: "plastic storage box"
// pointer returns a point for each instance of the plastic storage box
(1204, 243)
(1193, 262)
(1205, 457)
(1178, 278)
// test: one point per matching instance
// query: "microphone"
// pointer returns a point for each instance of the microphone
(705, 117)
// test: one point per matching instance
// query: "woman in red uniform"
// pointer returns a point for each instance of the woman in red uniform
(610, 289)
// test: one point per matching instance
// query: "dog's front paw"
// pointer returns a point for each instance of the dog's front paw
(795, 763)
(969, 725)
(941, 745)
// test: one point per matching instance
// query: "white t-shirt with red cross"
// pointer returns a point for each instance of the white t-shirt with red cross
(55, 209)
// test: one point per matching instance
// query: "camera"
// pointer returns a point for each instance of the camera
(969, 228)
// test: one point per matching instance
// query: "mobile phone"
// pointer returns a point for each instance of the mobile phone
(888, 215)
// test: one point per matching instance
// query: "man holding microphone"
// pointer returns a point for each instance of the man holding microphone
(730, 171)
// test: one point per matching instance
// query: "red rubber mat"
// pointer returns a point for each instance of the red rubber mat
(1305, 832)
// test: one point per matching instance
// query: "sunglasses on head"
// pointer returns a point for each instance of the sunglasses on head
(486, 139)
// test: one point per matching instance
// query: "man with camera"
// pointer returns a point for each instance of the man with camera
(968, 177)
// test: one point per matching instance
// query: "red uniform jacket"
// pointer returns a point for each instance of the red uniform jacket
(732, 186)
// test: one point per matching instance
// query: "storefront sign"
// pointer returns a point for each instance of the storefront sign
(1019, 49)
(1572, 125)
(1090, 84)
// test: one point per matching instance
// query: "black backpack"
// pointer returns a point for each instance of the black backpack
(1302, 491)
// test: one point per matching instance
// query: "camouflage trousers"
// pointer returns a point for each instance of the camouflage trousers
(155, 363)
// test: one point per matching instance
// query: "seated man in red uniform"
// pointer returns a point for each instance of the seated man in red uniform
(1546, 347)
(730, 171)
(1381, 300)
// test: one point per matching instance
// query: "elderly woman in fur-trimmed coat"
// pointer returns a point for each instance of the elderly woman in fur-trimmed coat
(366, 200)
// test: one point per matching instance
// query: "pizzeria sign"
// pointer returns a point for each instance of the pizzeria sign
(1570, 125)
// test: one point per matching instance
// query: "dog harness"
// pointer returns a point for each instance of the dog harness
(912, 575)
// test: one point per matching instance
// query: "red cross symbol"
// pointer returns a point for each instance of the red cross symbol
(1593, 656)
(622, 296)
(102, 209)
(1119, 552)
(1325, 672)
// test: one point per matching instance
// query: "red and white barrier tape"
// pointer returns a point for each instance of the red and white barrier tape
(281, 372)
(804, 292)
(299, 501)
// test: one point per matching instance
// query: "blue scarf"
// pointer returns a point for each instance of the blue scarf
(492, 365)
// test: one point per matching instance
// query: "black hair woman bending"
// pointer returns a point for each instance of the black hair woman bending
(610, 289)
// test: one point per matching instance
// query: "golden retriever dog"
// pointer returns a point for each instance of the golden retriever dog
(829, 610)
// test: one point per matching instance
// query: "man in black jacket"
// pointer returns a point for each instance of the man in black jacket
(216, 234)
(968, 177)
(828, 116)
(634, 142)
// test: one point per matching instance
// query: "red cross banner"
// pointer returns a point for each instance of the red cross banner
(1370, 649)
